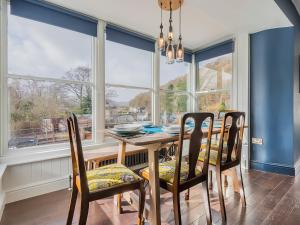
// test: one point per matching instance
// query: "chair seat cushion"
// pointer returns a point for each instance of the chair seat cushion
(212, 157)
(167, 171)
(214, 145)
(110, 176)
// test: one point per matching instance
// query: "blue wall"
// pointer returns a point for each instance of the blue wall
(271, 99)
(291, 12)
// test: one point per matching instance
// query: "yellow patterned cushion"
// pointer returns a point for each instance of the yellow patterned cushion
(109, 176)
(214, 145)
(212, 157)
(167, 171)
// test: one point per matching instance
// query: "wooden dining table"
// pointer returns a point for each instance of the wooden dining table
(153, 142)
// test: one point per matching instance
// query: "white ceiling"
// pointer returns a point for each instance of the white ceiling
(203, 21)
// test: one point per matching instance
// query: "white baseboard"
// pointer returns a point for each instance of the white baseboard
(36, 189)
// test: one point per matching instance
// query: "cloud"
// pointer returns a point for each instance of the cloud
(36, 48)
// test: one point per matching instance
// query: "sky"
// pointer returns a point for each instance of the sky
(43, 50)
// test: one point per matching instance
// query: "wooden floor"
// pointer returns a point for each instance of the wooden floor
(272, 199)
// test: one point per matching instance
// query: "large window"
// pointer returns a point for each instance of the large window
(214, 84)
(49, 76)
(173, 90)
(128, 80)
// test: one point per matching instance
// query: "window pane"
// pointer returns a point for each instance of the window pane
(214, 83)
(127, 65)
(38, 112)
(125, 105)
(173, 77)
(215, 73)
(214, 101)
(172, 107)
(43, 50)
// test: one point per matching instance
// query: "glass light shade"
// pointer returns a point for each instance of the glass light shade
(170, 35)
(161, 42)
(170, 53)
(179, 53)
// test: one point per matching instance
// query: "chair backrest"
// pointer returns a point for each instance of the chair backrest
(222, 113)
(78, 165)
(195, 140)
(232, 135)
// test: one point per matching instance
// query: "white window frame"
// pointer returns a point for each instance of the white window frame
(98, 74)
(98, 69)
(188, 92)
(198, 93)
(152, 88)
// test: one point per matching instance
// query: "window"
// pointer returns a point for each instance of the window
(128, 84)
(214, 83)
(173, 90)
(49, 76)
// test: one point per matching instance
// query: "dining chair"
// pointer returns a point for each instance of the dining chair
(228, 155)
(182, 173)
(98, 183)
(221, 114)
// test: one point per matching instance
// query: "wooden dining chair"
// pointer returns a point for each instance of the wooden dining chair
(180, 174)
(215, 145)
(228, 155)
(99, 183)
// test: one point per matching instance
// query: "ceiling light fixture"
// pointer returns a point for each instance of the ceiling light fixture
(173, 51)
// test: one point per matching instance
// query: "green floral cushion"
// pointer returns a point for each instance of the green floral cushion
(212, 157)
(167, 171)
(109, 176)
(214, 145)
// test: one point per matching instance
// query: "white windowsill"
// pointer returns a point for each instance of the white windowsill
(43, 154)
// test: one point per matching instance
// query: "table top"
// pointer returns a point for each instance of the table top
(147, 139)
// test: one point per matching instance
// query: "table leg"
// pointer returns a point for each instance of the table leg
(234, 178)
(153, 153)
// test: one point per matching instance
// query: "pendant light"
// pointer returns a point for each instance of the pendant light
(170, 53)
(161, 40)
(168, 46)
(179, 49)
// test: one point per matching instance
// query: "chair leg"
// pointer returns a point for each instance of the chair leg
(206, 199)
(210, 180)
(187, 194)
(141, 204)
(72, 205)
(225, 181)
(176, 204)
(241, 184)
(221, 196)
(119, 203)
(84, 210)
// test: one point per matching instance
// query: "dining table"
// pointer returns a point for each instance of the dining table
(153, 141)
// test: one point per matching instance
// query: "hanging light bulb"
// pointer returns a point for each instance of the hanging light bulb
(180, 49)
(170, 33)
(170, 53)
(161, 40)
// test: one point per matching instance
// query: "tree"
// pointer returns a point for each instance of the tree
(83, 92)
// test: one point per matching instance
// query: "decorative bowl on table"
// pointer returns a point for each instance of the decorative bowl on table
(128, 129)
(175, 129)
(146, 124)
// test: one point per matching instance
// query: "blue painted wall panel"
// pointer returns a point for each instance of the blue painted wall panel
(271, 88)
(291, 12)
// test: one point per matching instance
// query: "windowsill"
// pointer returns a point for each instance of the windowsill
(43, 154)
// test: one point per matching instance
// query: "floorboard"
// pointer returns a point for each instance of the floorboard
(272, 199)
